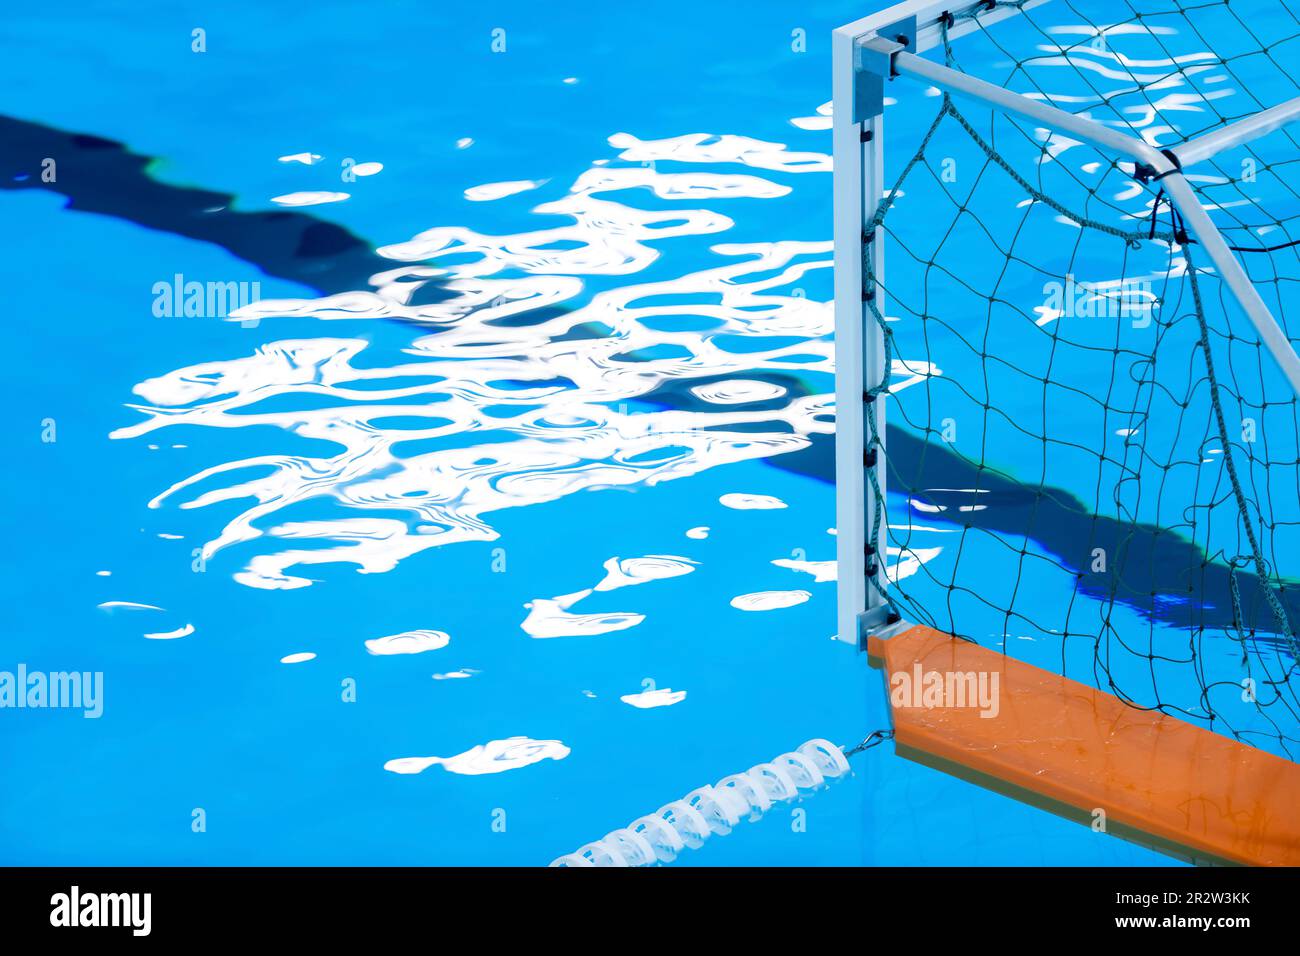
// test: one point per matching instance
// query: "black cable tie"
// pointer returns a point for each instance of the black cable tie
(1145, 173)
(1180, 232)
(1155, 213)
(869, 458)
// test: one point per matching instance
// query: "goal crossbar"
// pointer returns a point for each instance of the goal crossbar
(1169, 170)
(1236, 134)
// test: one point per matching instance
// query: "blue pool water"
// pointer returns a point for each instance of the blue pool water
(402, 466)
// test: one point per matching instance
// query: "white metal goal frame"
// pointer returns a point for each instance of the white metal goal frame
(866, 55)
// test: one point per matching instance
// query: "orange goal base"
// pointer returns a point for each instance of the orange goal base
(1076, 750)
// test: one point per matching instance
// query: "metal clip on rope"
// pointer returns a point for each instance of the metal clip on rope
(658, 837)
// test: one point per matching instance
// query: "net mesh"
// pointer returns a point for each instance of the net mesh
(1091, 461)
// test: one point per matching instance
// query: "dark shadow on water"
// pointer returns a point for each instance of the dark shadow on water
(103, 176)
(1153, 570)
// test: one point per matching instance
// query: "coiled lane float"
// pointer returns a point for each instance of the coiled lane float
(660, 836)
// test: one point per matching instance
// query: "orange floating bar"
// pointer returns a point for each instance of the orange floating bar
(1073, 749)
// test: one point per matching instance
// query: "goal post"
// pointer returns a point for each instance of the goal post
(868, 54)
(858, 184)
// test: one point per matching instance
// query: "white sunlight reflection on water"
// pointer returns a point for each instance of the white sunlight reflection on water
(554, 393)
